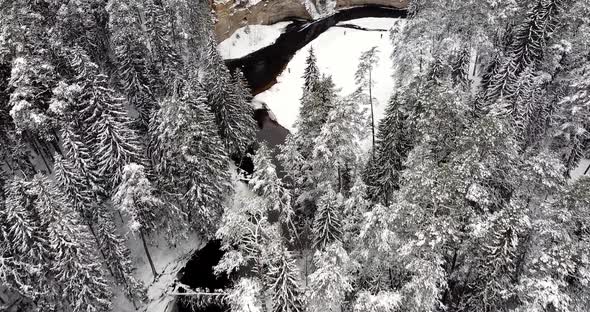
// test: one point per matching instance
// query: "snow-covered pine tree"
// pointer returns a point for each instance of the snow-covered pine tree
(460, 68)
(56, 265)
(242, 123)
(78, 174)
(393, 143)
(227, 99)
(364, 79)
(270, 187)
(318, 93)
(135, 197)
(327, 225)
(527, 45)
(31, 79)
(245, 296)
(74, 185)
(189, 159)
(331, 281)
(316, 103)
(247, 236)
(337, 147)
(492, 286)
(24, 246)
(26, 48)
(82, 24)
(311, 73)
(166, 60)
(285, 291)
(117, 255)
(75, 270)
(111, 137)
(355, 206)
(572, 123)
(130, 44)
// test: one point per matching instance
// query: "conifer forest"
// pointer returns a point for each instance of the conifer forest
(362, 156)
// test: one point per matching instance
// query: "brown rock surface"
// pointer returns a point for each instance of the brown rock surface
(231, 17)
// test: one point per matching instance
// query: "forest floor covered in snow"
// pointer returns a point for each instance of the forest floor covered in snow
(168, 261)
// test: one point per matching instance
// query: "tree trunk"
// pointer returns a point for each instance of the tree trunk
(372, 114)
(99, 247)
(339, 181)
(147, 253)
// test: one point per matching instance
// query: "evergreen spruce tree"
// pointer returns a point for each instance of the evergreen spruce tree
(393, 143)
(164, 55)
(316, 104)
(31, 78)
(189, 158)
(332, 281)
(269, 186)
(526, 48)
(126, 22)
(227, 97)
(117, 255)
(72, 183)
(74, 266)
(355, 206)
(25, 247)
(284, 289)
(364, 79)
(572, 126)
(337, 148)
(147, 214)
(318, 93)
(311, 73)
(112, 139)
(327, 225)
(460, 68)
(247, 236)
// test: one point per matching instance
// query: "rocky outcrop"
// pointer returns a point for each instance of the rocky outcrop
(231, 16)
(388, 3)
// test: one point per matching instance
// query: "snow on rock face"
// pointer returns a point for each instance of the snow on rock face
(249, 39)
(231, 17)
(338, 51)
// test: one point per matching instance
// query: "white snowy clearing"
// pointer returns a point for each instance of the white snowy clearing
(337, 50)
(249, 39)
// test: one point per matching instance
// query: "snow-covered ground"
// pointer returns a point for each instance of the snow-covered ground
(579, 171)
(168, 260)
(249, 39)
(337, 50)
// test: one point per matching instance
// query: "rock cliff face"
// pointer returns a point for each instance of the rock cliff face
(233, 14)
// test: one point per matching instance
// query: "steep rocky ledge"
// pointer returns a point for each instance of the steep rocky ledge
(231, 16)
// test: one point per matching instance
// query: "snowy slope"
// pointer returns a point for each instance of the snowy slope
(338, 51)
(168, 260)
(249, 39)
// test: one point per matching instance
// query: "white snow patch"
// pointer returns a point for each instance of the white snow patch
(579, 171)
(337, 50)
(249, 39)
